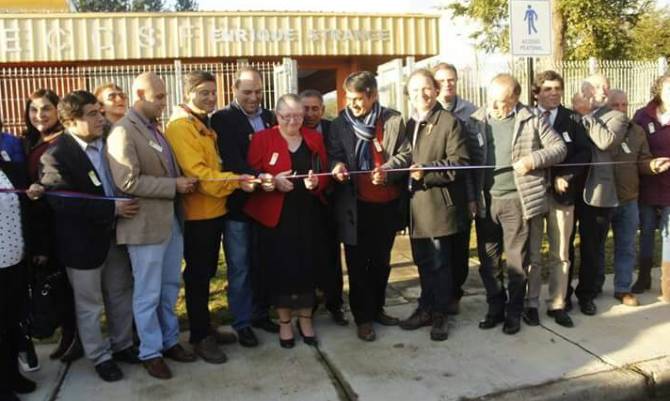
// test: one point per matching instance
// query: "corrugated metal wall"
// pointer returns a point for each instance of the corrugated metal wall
(116, 36)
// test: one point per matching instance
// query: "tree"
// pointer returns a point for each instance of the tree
(186, 5)
(651, 36)
(147, 5)
(101, 5)
(582, 29)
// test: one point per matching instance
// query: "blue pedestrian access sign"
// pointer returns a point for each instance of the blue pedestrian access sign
(530, 27)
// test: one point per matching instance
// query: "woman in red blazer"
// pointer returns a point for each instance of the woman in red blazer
(290, 215)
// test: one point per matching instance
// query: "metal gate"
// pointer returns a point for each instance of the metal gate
(17, 83)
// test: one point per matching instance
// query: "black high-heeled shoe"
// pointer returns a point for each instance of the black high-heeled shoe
(309, 340)
(288, 343)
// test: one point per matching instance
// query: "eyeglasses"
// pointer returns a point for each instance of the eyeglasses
(289, 117)
(113, 95)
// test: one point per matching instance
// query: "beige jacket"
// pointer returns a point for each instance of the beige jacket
(140, 169)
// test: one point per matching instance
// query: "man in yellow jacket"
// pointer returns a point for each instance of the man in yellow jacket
(195, 147)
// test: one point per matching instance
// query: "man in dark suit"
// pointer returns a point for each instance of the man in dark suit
(368, 207)
(567, 183)
(330, 279)
(234, 126)
(98, 269)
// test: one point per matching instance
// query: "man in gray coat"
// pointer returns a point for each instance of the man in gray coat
(606, 129)
(437, 200)
(521, 146)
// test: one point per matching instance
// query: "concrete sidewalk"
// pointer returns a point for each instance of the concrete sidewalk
(622, 353)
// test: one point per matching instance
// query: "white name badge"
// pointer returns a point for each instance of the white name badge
(5, 156)
(156, 146)
(652, 128)
(273, 158)
(625, 147)
(566, 137)
(378, 146)
(94, 178)
(480, 139)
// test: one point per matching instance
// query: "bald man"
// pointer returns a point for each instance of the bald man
(143, 166)
(606, 129)
(512, 197)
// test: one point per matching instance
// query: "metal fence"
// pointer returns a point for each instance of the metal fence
(16, 83)
(633, 77)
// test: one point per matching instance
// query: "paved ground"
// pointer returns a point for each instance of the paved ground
(620, 354)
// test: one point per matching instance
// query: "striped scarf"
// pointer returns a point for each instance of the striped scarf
(365, 130)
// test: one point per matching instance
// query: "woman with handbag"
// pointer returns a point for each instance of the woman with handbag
(291, 226)
(42, 130)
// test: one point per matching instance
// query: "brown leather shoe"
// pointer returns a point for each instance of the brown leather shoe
(223, 337)
(209, 351)
(419, 318)
(179, 354)
(627, 298)
(157, 368)
(366, 332)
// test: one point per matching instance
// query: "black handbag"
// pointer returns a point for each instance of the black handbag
(45, 294)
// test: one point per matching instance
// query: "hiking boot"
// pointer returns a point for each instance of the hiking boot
(419, 318)
(440, 330)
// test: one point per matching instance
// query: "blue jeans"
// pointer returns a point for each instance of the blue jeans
(648, 222)
(237, 246)
(625, 221)
(156, 269)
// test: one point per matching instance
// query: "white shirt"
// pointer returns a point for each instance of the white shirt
(11, 240)
(552, 114)
(663, 118)
(94, 151)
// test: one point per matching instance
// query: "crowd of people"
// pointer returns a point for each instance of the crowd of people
(96, 192)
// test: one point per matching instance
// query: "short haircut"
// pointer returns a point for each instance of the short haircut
(195, 78)
(547, 75)
(426, 73)
(101, 88)
(657, 87)
(361, 81)
(446, 66)
(311, 93)
(284, 99)
(71, 106)
(615, 93)
(508, 79)
(243, 70)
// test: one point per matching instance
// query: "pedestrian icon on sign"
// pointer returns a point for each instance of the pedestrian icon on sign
(531, 16)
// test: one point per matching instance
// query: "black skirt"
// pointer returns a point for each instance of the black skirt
(292, 253)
